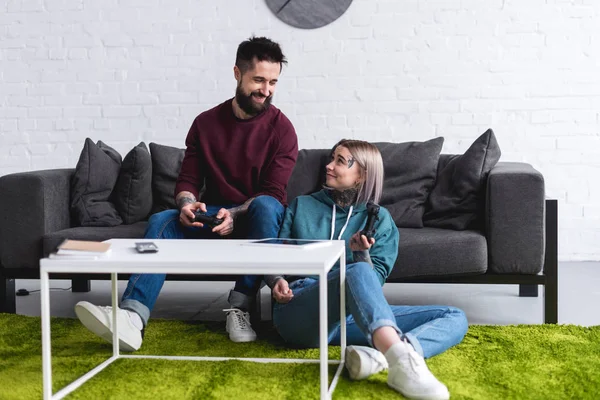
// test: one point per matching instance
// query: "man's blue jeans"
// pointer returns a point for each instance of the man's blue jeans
(262, 220)
(430, 329)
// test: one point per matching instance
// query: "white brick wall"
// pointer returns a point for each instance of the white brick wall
(130, 70)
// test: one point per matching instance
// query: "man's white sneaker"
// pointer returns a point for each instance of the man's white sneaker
(362, 362)
(409, 375)
(98, 320)
(238, 326)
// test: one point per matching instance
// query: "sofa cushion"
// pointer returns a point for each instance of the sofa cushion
(166, 163)
(51, 240)
(309, 173)
(132, 194)
(112, 153)
(91, 186)
(410, 171)
(439, 252)
(457, 200)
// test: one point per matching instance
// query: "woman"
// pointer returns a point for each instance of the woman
(399, 336)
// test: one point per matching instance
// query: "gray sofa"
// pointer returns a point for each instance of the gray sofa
(516, 242)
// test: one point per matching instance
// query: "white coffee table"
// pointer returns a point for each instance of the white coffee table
(220, 257)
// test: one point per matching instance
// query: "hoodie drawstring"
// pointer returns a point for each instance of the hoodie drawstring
(333, 223)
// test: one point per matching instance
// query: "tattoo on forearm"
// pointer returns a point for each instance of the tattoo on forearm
(242, 209)
(185, 199)
(271, 280)
(362, 256)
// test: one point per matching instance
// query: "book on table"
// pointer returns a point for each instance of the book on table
(81, 249)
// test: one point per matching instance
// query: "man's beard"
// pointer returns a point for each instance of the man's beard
(248, 105)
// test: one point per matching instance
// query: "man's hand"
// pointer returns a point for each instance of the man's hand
(360, 242)
(186, 216)
(226, 227)
(282, 292)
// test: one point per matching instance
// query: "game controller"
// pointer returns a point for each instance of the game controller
(210, 220)
(373, 215)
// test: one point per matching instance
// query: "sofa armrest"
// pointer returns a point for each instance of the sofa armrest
(31, 205)
(515, 207)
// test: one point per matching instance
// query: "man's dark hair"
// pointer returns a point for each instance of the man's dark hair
(262, 48)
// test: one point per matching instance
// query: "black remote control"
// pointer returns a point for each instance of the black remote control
(373, 215)
(210, 220)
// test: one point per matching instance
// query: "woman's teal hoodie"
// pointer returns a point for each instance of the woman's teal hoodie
(309, 217)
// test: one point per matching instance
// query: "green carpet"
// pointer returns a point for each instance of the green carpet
(493, 362)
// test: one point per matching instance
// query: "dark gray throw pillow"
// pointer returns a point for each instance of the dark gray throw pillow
(458, 199)
(166, 163)
(92, 183)
(410, 170)
(112, 153)
(308, 175)
(132, 194)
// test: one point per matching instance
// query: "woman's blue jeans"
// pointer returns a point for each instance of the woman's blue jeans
(430, 329)
(262, 220)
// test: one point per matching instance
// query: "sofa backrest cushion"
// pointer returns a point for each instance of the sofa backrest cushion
(308, 175)
(132, 195)
(95, 176)
(457, 200)
(410, 171)
(166, 163)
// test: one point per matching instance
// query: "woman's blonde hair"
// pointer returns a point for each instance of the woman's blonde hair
(368, 157)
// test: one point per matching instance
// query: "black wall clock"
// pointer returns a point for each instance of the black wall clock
(308, 14)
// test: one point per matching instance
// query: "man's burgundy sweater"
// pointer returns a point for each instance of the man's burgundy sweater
(238, 159)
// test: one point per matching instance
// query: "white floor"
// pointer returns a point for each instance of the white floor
(579, 292)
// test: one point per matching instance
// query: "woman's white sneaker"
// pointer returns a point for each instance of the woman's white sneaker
(98, 320)
(409, 375)
(362, 362)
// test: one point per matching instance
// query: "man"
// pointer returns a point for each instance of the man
(243, 152)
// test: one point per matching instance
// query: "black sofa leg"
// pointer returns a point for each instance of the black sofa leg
(551, 263)
(80, 285)
(528, 290)
(551, 303)
(8, 302)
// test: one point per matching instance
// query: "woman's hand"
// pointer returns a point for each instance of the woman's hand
(360, 242)
(282, 292)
